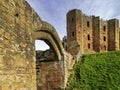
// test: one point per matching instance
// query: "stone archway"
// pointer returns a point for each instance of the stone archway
(20, 26)
(48, 29)
(50, 73)
(40, 35)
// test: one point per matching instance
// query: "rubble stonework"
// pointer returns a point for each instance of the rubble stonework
(20, 26)
(17, 56)
(90, 34)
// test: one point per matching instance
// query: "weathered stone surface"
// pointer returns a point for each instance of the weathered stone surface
(17, 63)
(90, 34)
(20, 26)
(51, 76)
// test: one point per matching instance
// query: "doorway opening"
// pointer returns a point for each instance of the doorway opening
(44, 53)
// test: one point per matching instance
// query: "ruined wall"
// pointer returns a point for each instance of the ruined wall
(74, 19)
(96, 33)
(50, 71)
(20, 26)
(92, 34)
(103, 36)
(113, 35)
(51, 76)
(17, 55)
(87, 34)
(79, 32)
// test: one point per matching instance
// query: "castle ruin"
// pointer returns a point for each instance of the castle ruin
(20, 65)
(90, 34)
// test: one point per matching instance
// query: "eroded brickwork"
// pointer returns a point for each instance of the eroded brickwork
(90, 34)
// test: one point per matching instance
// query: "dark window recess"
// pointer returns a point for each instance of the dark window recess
(104, 28)
(88, 46)
(16, 15)
(88, 24)
(73, 34)
(88, 37)
(73, 58)
(104, 38)
(72, 19)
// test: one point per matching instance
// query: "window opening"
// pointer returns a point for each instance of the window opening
(88, 45)
(73, 33)
(104, 38)
(104, 28)
(88, 37)
(88, 24)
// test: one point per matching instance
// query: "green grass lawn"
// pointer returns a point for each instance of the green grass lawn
(97, 72)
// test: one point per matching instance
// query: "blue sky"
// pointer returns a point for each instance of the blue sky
(54, 11)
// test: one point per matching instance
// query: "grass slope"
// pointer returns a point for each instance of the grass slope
(97, 72)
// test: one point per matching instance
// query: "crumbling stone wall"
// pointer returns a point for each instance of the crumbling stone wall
(90, 34)
(103, 36)
(113, 38)
(50, 76)
(17, 54)
(96, 33)
(87, 34)
(20, 26)
(74, 25)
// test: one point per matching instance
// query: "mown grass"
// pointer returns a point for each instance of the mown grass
(97, 72)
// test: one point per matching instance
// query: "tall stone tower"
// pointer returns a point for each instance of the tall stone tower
(74, 31)
(113, 34)
(100, 35)
(96, 33)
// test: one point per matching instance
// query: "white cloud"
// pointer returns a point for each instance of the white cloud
(41, 45)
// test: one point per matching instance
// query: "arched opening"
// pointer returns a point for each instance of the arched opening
(44, 54)
(51, 41)
(47, 67)
(44, 51)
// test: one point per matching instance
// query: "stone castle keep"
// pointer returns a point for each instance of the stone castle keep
(89, 34)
